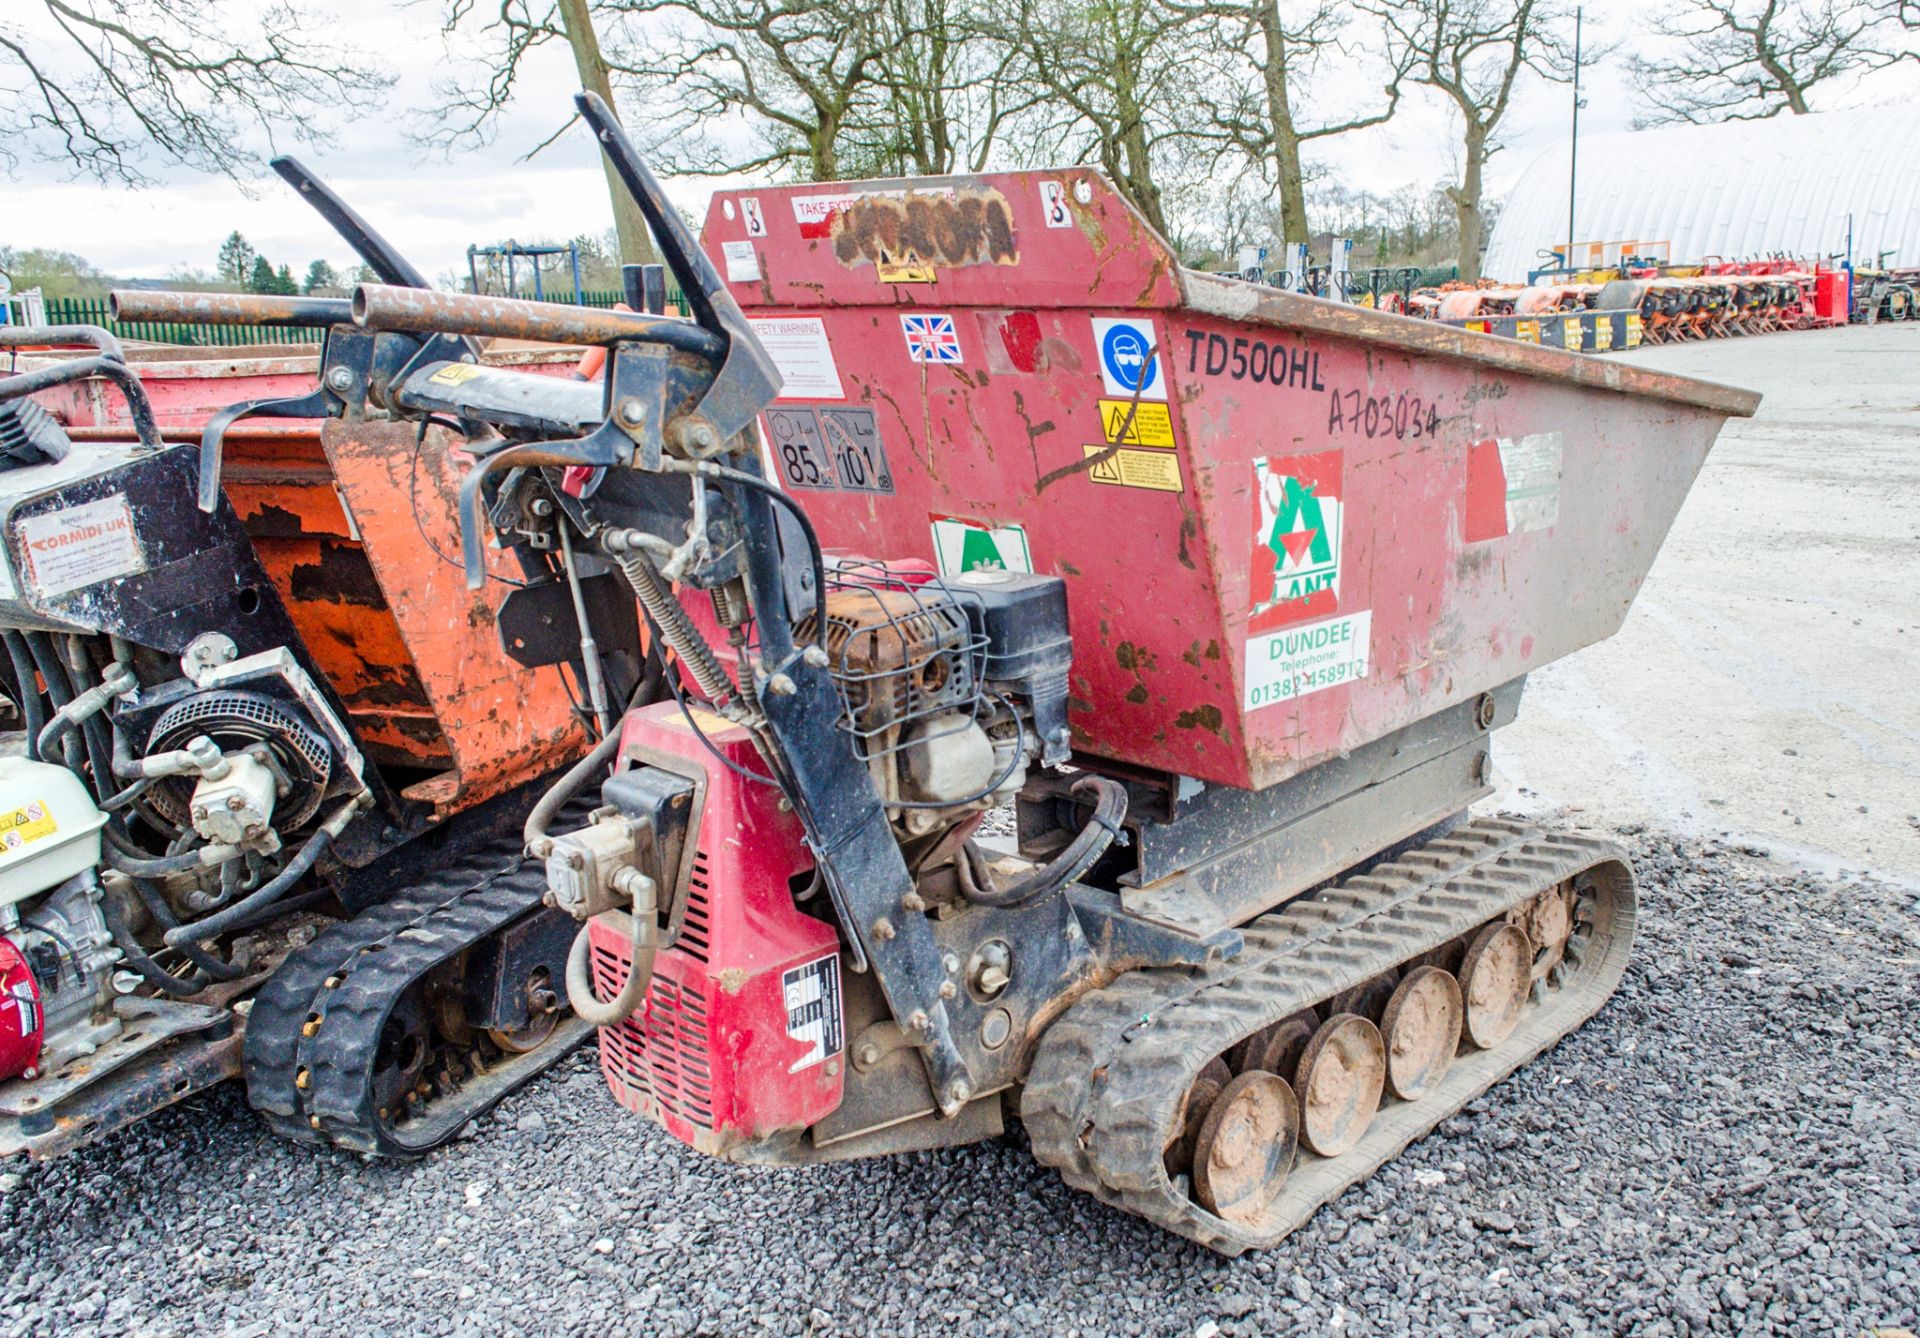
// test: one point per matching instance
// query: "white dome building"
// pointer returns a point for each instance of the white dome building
(1738, 190)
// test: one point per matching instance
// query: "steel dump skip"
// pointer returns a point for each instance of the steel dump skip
(1336, 522)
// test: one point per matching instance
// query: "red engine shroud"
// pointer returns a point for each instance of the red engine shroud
(742, 1031)
(21, 1019)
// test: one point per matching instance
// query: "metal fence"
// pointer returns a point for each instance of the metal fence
(97, 311)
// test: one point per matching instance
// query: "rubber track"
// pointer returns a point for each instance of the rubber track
(281, 1007)
(348, 980)
(1109, 1075)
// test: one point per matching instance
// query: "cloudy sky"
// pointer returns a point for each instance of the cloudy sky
(434, 206)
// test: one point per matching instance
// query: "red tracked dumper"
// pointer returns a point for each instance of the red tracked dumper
(1228, 587)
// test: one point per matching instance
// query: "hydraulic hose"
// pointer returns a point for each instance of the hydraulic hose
(535, 830)
(271, 891)
(54, 675)
(135, 957)
(121, 855)
(1109, 809)
(33, 709)
(645, 939)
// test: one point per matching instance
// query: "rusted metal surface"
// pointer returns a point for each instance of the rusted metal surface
(501, 724)
(425, 311)
(1487, 507)
(190, 385)
(141, 304)
(964, 227)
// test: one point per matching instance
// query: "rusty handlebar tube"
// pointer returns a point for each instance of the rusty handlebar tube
(309, 313)
(423, 311)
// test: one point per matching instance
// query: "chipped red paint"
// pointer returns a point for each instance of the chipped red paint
(1161, 585)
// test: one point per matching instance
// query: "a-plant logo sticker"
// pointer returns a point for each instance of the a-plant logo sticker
(1296, 540)
(1130, 363)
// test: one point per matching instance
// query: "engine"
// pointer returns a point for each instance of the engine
(949, 689)
(56, 953)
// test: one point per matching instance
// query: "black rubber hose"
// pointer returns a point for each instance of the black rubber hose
(54, 674)
(94, 727)
(265, 895)
(134, 956)
(163, 916)
(1109, 810)
(136, 864)
(568, 786)
(32, 709)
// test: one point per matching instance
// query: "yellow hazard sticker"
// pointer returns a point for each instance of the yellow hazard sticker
(1152, 423)
(26, 824)
(1603, 334)
(706, 722)
(906, 271)
(1527, 331)
(1135, 469)
(1570, 333)
(1633, 329)
(454, 373)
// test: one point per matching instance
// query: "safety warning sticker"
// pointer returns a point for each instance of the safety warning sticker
(835, 450)
(961, 545)
(1300, 661)
(905, 271)
(755, 220)
(1513, 485)
(798, 346)
(812, 994)
(455, 374)
(1053, 204)
(1130, 362)
(79, 546)
(931, 338)
(1143, 424)
(1295, 568)
(26, 824)
(1134, 469)
(743, 266)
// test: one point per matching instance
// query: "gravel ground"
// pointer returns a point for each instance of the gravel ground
(1732, 1146)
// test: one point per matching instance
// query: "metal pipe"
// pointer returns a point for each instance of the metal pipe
(12, 336)
(139, 407)
(306, 313)
(423, 311)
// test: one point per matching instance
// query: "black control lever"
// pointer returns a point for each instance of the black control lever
(747, 381)
(370, 246)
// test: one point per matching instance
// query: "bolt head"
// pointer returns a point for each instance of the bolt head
(340, 379)
(958, 1091)
(235, 803)
(633, 413)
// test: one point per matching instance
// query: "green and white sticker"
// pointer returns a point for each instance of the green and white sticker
(1300, 661)
(962, 545)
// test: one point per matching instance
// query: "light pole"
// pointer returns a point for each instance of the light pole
(1573, 145)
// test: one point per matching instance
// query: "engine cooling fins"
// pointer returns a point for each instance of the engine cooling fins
(1110, 1091)
(342, 1043)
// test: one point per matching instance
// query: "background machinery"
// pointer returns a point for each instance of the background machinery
(1226, 586)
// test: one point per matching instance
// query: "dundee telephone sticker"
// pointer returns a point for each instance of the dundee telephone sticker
(1300, 661)
(812, 996)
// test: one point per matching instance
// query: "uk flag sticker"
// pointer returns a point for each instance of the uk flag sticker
(931, 338)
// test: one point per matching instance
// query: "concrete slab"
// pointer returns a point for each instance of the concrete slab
(1767, 681)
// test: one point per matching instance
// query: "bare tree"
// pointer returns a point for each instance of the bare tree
(506, 34)
(102, 85)
(802, 73)
(1117, 83)
(1743, 60)
(1260, 117)
(946, 90)
(1474, 52)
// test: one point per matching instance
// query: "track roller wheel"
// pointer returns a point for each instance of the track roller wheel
(1421, 1030)
(1368, 1000)
(1245, 1147)
(1277, 1049)
(1495, 977)
(1213, 1076)
(1340, 1079)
